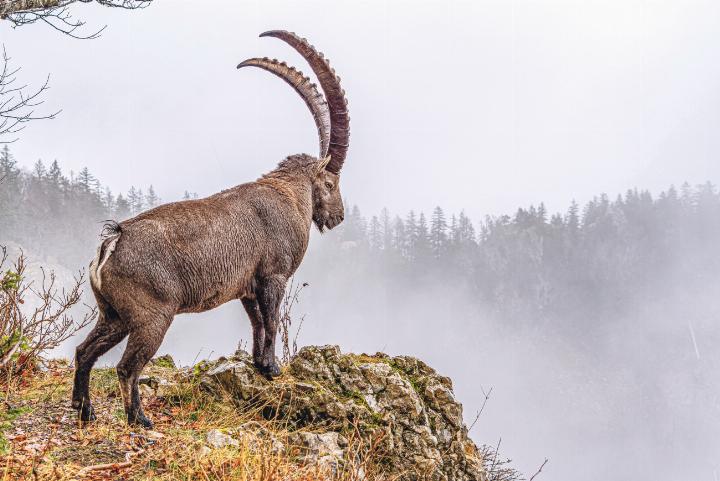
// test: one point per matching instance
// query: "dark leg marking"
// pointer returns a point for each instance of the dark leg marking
(106, 334)
(270, 295)
(253, 311)
(143, 343)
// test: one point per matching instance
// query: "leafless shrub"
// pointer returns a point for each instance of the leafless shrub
(497, 468)
(17, 101)
(34, 317)
(57, 15)
(292, 296)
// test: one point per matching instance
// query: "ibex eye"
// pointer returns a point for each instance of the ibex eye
(328, 185)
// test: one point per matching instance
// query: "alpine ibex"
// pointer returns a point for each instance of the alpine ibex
(242, 243)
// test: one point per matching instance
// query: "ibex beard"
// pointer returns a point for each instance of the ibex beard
(192, 256)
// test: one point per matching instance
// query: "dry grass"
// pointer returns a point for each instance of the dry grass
(41, 438)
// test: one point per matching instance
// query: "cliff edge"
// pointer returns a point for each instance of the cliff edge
(329, 416)
(401, 411)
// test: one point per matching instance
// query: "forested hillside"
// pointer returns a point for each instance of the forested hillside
(59, 215)
(595, 260)
(592, 260)
(606, 311)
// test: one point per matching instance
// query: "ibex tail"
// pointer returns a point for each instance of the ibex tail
(111, 234)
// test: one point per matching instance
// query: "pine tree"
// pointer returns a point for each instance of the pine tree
(686, 195)
(123, 208)
(151, 198)
(438, 232)
(387, 229)
(39, 169)
(466, 231)
(8, 169)
(85, 180)
(10, 194)
(375, 234)
(135, 200)
(354, 225)
(542, 213)
(109, 200)
(453, 236)
(572, 219)
(55, 173)
(399, 236)
(410, 233)
(422, 239)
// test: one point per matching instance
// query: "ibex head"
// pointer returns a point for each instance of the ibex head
(331, 118)
(328, 209)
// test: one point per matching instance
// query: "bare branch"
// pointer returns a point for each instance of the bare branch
(57, 15)
(17, 102)
(292, 297)
(498, 469)
(482, 408)
(28, 332)
(539, 469)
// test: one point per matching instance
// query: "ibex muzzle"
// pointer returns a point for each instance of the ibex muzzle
(243, 243)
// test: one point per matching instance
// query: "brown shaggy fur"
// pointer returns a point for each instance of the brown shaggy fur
(191, 256)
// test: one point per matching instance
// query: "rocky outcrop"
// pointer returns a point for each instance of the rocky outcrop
(396, 409)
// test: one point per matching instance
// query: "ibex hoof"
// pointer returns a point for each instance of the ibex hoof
(271, 371)
(87, 413)
(142, 421)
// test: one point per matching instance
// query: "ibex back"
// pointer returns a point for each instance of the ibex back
(243, 243)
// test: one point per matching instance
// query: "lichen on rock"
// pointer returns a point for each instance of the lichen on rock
(396, 406)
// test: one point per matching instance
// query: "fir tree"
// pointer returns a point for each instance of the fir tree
(438, 232)
(151, 198)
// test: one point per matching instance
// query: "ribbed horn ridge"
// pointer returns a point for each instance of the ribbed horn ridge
(335, 95)
(307, 90)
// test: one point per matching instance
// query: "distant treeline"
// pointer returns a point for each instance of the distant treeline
(595, 259)
(57, 215)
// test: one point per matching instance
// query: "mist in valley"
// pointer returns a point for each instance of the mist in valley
(591, 331)
(593, 323)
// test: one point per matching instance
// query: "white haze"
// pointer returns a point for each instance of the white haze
(482, 106)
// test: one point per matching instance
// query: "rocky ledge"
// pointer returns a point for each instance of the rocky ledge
(397, 410)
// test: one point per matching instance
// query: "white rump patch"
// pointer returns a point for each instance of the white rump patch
(97, 264)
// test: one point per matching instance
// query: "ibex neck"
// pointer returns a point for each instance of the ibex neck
(297, 189)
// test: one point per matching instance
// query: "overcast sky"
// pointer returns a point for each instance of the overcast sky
(478, 105)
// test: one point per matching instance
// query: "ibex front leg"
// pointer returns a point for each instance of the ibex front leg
(258, 327)
(270, 294)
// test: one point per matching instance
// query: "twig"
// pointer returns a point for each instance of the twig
(17, 104)
(482, 408)
(539, 469)
(497, 448)
(102, 467)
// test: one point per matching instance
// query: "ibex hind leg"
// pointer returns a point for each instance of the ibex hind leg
(107, 333)
(143, 343)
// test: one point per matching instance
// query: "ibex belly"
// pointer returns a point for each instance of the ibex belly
(214, 294)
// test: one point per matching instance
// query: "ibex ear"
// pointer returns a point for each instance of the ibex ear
(322, 163)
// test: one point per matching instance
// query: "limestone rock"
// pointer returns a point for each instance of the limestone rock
(326, 449)
(218, 439)
(253, 434)
(399, 405)
(155, 385)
